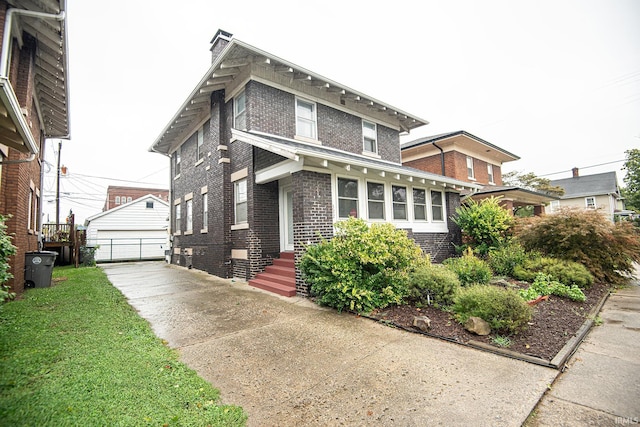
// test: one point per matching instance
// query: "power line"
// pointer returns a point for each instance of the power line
(583, 167)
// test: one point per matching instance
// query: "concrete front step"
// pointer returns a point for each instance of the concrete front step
(276, 288)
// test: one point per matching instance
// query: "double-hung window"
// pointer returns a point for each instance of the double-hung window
(369, 137)
(117, 200)
(437, 207)
(205, 211)
(399, 195)
(590, 202)
(30, 210)
(189, 206)
(240, 111)
(490, 173)
(470, 172)
(178, 218)
(306, 119)
(177, 162)
(375, 200)
(347, 198)
(419, 204)
(240, 197)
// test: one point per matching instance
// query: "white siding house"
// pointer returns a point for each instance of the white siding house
(134, 231)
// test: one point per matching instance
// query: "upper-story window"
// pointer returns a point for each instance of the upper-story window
(490, 173)
(189, 206)
(306, 119)
(117, 200)
(240, 111)
(347, 198)
(149, 205)
(176, 160)
(590, 202)
(470, 172)
(178, 218)
(200, 144)
(128, 199)
(375, 200)
(369, 137)
(205, 211)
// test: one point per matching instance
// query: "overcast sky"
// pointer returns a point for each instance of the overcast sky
(555, 82)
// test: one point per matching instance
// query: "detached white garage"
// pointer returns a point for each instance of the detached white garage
(137, 230)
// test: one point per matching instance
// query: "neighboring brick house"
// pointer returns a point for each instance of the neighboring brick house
(118, 195)
(466, 157)
(599, 191)
(266, 156)
(34, 107)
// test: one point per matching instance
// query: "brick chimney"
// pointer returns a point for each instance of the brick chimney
(218, 43)
(575, 172)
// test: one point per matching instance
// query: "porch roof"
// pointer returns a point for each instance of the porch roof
(519, 196)
(298, 155)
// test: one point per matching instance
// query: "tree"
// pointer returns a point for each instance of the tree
(631, 192)
(530, 181)
(485, 224)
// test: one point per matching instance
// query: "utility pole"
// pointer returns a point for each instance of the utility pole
(58, 185)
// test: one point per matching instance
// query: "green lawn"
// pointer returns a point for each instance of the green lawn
(77, 354)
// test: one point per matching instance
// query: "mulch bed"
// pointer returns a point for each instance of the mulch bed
(555, 321)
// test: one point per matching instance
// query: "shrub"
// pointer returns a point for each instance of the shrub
(503, 309)
(6, 251)
(608, 250)
(469, 269)
(546, 285)
(568, 272)
(433, 283)
(362, 267)
(505, 258)
(484, 224)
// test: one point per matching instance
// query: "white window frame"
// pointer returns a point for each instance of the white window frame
(189, 214)
(30, 209)
(490, 173)
(554, 205)
(425, 204)
(383, 201)
(395, 203)
(357, 198)
(178, 218)
(441, 206)
(240, 198)
(590, 205)
(470, 171)
(117, 201)
(240, 116)
(369, 135)
(313, 122)
(129, 199)
(205, 211)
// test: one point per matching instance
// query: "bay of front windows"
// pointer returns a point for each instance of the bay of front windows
(384, 200)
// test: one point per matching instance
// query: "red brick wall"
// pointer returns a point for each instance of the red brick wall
(455, 165)
(134, 193)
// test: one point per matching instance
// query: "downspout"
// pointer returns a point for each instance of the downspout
(441, 158)
(4, 60)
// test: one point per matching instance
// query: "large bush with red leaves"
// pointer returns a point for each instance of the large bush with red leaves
(608, 250)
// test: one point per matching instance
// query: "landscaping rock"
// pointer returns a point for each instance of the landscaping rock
(422, 322)
(477, 326)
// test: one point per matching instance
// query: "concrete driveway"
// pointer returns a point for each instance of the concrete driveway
(288, 362)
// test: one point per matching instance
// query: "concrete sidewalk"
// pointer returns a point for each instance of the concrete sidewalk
(288, 362)
(601, 387)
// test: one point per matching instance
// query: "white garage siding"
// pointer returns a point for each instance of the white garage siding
(133, 231)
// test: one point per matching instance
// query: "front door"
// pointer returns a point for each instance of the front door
(286, 218)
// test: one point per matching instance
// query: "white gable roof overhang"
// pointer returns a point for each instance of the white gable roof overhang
(306, 156)
(240, 61)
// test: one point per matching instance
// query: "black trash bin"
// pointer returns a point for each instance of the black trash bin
(38, 268)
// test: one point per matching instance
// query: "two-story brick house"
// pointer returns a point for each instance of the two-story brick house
(34, 103)
(466, 157)
(266, 156)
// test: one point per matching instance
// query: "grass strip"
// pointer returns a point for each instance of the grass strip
(77, 354)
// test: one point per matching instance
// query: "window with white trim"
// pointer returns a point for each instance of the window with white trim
(178, 218)
(470, 172)
(306, 119)
(554, 205)
(369, 137)
(240, 111)
(490, 173)
(590, 202)
(240, 197)
(117, 200)
(437, 206)
(176, 161)
(205, 210)
(375, 200)
(189, 208)
(149, 205)
(399, 196)
(419, 204)
(347, 198)
(128, 199)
